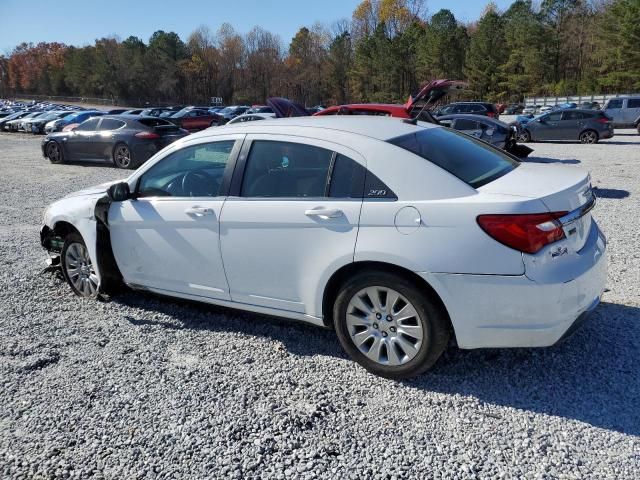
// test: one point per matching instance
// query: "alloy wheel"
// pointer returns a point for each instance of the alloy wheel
(53, 152)
(80, 271)
(123, 156)
(384, 326)
(589, 137)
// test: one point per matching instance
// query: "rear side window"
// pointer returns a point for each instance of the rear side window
(89, 125)
(472, 161)
(615, 103)
(111, 124)
(633, 103)
(573, 115)
(464, 124)
(347, 178)
(285, 169)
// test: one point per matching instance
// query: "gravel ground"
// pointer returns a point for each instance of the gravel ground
(144, 387)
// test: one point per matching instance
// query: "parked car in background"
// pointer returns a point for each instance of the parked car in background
(514, 109)
(14, 116)
(415, 107)
(624, 112)
(193, 119)
(530, 109)
(37, 124)
(475, 108)
(251, 117)
(228, 113)
(126, 140)
(17, 124)
(492, 131)
(586, 126)
(259, 109)
(590, 106)
(545, 109)
(153, 111)
(134, 111)
(71, 121)
(341, 210)
(564, 106)
(116, 111)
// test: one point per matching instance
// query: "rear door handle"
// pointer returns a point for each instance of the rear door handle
(324, 213)
(199, 211)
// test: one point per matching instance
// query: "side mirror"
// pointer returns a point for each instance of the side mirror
(119, 192)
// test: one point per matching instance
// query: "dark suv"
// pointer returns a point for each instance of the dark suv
(475, 108)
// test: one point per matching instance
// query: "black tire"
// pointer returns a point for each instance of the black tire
(524, 136)
(434, 322)
(123, 157)
(74, 241)
(589, 137)
(54, 152)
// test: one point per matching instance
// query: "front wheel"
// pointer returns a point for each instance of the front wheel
(389, 325)
(54, 152)
(77, 267)
(122, 156)
(589, 136)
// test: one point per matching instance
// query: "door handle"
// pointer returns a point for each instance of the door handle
(324, 213)
(199, 211)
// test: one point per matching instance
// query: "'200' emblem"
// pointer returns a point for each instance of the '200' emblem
(377, 193)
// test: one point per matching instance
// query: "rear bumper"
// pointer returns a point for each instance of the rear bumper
(515, 311)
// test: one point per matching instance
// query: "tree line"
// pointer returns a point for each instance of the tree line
(384, 52)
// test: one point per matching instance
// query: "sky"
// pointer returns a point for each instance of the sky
(80, 22)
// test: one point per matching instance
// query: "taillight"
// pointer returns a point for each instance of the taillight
(527, 233)
(603, 120)
(147, 135)
(491, 114)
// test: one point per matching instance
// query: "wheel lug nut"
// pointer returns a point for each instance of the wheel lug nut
(389, 318)
(393, 329)
(378, 316)
(375, 325)
(384, 334)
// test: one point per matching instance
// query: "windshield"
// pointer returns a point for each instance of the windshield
(472, 161)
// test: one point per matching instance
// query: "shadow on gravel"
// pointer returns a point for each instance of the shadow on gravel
(572, 161)
(591, 377)
(613, 193)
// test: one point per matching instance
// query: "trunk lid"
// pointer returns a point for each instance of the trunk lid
(560, 188)
(434, 91)
(285, 108)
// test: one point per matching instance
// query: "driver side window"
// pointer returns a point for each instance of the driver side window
(194, 171)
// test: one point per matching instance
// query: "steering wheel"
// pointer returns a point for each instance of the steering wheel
(198, 183)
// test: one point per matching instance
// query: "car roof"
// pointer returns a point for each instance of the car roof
(380, 128)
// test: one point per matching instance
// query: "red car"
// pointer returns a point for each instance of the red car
(193, 119)
(432, 92)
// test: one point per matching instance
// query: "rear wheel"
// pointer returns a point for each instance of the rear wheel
(122, 157)
(524, 136)
(589, 136)
(54, 152)
(77, 267)
(389, 325)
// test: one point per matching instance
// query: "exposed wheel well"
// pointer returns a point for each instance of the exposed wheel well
(341, 275)
(62, 229)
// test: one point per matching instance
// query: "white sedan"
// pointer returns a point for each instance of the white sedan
(397, 235)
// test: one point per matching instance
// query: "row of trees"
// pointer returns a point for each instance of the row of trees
(383, 53)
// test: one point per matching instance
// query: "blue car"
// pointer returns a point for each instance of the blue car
(79, 117)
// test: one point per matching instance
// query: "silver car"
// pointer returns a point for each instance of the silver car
(624, 111)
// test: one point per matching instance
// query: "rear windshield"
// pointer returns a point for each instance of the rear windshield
(472, 161)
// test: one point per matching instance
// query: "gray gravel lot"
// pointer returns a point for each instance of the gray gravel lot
(144, 387)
